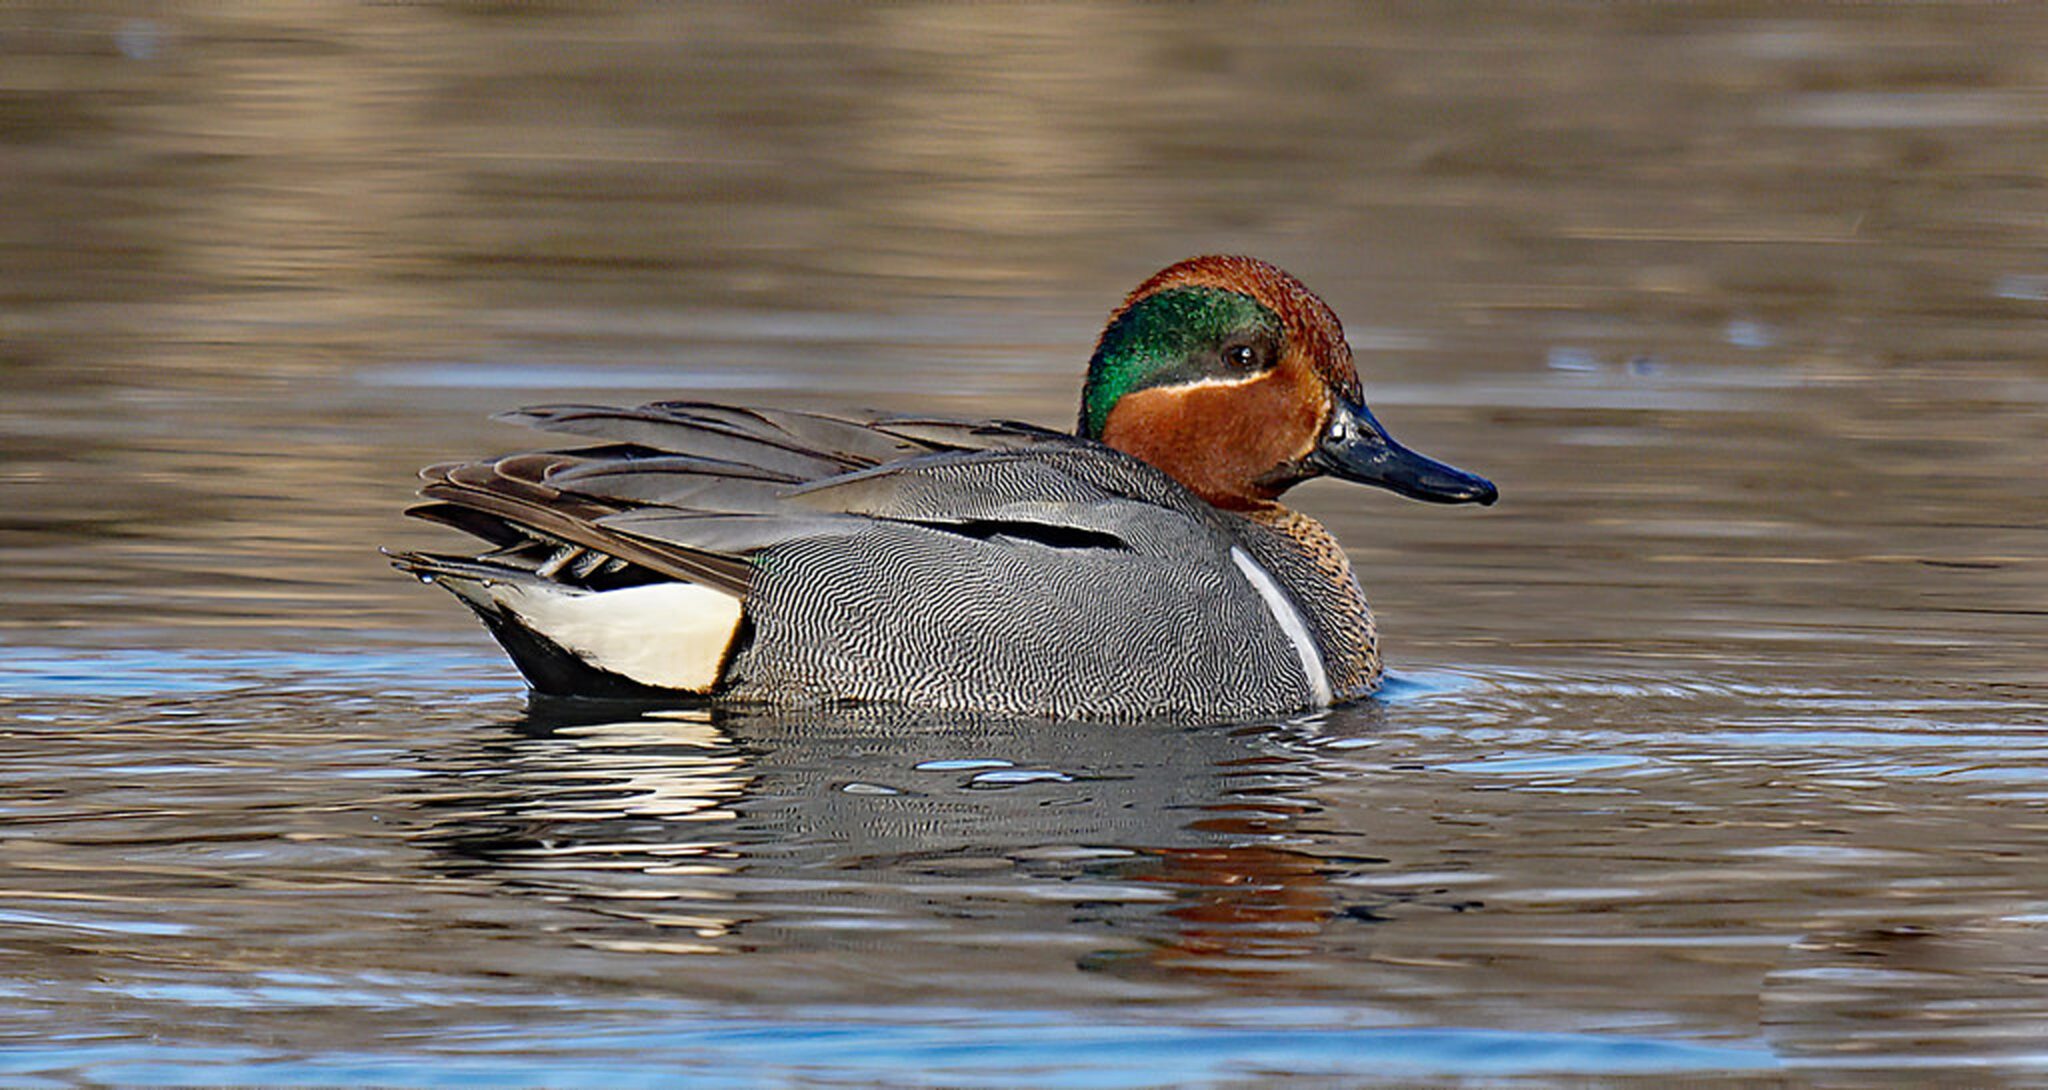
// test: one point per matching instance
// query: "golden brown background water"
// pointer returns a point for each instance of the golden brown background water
(1718, 750)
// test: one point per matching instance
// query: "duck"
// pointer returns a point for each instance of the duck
(1141, 566)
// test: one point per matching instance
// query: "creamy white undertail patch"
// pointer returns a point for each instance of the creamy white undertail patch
(668, 635)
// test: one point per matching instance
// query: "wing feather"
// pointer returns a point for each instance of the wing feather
(694, 490)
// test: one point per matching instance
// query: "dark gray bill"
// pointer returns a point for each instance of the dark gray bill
(1356, 448)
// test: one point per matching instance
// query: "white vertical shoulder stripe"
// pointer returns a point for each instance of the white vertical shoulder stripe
(1290, 622)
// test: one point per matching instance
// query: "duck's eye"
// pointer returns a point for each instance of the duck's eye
(1241, 356)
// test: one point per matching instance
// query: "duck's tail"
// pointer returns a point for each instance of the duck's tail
(648, 641)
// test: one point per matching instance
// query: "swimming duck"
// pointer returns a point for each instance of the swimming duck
(1142, 566)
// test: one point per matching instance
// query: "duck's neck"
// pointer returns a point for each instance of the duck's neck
(1351, 639)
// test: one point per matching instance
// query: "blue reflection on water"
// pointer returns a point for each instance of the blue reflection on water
(62, 671)
(1419, 684)
(1046, 1049)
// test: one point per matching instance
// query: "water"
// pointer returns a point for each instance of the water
(1717, 751)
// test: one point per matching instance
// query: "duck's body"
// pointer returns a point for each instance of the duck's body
(1140, 568)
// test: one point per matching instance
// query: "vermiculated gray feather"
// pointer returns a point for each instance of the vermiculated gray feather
(996, 567)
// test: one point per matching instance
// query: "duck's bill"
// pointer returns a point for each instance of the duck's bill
(1357, 448)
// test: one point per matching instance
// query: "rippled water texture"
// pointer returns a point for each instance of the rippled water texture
(1717, 751)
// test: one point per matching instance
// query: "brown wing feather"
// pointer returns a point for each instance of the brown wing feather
(478, 487)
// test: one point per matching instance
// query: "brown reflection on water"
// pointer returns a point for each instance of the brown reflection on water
(1247, 904)
(1242, 908)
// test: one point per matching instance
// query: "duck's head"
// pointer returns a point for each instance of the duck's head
(1234, 378)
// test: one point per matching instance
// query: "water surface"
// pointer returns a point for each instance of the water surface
(1717, 751)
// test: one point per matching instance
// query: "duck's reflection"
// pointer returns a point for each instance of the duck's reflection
(1150, 850)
